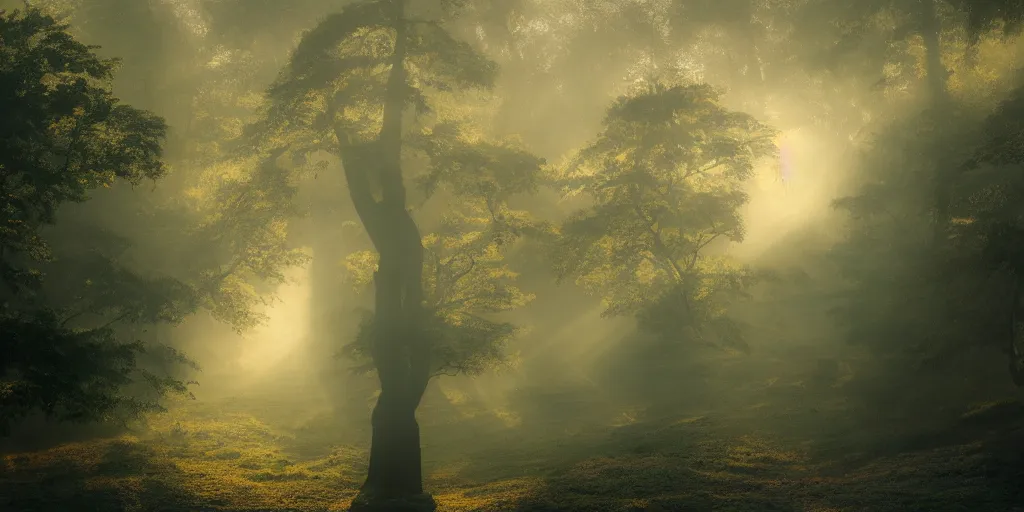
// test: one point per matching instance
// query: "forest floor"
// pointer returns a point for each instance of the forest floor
(785, 450)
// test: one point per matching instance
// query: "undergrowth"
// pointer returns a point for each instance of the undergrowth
(769, 456)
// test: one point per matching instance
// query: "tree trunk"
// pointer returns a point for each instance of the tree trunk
(329, 293)
(395, 462)
(401, 355)
(931, 30)
(400, 350)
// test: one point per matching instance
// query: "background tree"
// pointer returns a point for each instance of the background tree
(952, 309)
(989, 232)
(665, 177)
(224, 221)
(867, 37)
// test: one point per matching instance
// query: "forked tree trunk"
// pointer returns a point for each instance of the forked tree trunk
(400, 351)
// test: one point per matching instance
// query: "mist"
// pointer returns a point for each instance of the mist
(638, 255)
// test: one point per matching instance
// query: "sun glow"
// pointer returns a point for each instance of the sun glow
(787, 194)
(285, 330)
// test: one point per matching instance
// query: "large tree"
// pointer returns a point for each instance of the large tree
(347, 92)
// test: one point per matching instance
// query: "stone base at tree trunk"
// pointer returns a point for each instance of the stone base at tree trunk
(418, 503)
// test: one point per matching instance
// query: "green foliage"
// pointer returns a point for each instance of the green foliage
(63, 289)
(1003, 143)
(862, 37)
(665, 177)
(334, 85)
(491, 171)
(983, 15)
(63, 132)
(90, 280)
(331, 98)
(246, 224)
(920, 302)
(467, 280)
(230, 210)
(216, 231)
(77, 375)
(884, 255)
(991, 194)
(930, 247)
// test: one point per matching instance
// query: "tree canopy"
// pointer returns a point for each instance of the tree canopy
(666, 179)
(65, 135)
(331, 99)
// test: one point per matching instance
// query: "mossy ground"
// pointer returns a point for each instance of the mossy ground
(776, 452)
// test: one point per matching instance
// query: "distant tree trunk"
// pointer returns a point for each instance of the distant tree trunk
(400, 348)
(753, 77)
(328, 292)
(931, 31)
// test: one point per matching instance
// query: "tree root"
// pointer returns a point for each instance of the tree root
(366, 502)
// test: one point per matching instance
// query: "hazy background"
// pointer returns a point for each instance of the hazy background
(562, 63)
(846, 90)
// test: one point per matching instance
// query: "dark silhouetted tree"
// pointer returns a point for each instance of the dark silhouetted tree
(64, 135)
(347, 91)
(990, 193)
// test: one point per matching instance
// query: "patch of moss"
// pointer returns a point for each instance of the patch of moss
(759, 455)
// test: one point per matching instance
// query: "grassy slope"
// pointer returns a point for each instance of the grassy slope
(776, 453)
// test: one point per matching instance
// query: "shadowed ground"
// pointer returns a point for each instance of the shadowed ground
(778, 452)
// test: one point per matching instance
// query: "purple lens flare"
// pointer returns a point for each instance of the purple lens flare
(786, 163)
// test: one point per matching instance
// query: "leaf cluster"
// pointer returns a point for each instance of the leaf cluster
(76, 375)
(63, 133)
(665, 181)
(467, 280)
(335, 83)
(67, 292)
